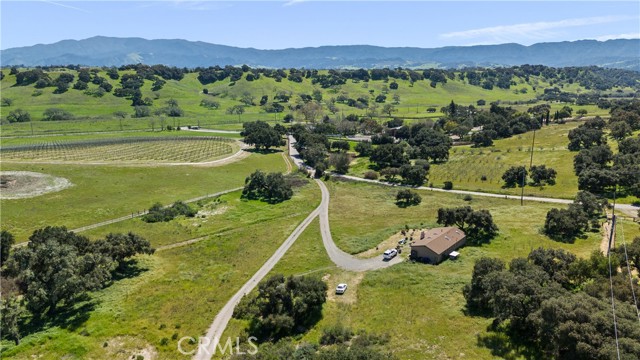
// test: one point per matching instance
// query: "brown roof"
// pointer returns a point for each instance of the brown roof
(440, 239)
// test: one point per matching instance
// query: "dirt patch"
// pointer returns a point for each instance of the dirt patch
(391, 243)
(351, 279)
(27, 184)
(606, 233)
(211, 212)
(129, 347)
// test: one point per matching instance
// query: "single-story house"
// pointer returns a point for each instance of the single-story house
(437, 244)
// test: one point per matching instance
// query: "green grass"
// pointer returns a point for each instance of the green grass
(180, 290)
(467, 164)
(355, 204)
(420, 306)
(105, 192)
(96, 114)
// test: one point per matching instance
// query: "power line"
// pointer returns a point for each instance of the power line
(613, 303)
(626, 257)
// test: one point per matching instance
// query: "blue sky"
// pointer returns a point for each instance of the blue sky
(300, 23)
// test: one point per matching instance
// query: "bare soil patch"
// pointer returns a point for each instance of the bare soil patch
(352, 279)
(391, 243)
(129, 347)
(27, 184)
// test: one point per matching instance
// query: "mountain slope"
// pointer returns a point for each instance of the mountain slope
(109, 51)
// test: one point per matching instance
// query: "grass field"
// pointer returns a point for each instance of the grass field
(467, 165)
(178, 291)
(97, 114)
(106, 192)
(126, 150)
(420, 306)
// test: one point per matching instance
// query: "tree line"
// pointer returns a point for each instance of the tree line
(556, 305)
(591, 77)
(600, 171)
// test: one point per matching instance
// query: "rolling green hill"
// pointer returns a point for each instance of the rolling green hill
(410, 100)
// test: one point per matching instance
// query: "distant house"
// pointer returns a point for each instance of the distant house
(437, 244)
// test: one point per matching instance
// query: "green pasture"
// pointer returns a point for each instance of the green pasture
(179, 290)
(467, 165)
(420, 306)
(97, 114)
(101, 192)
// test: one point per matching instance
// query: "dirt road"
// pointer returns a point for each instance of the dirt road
(626, 208)
(222, 319)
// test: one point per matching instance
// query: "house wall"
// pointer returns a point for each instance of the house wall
(423, 252)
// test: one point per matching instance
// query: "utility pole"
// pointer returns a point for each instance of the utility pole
(533, 142)
(524, 180)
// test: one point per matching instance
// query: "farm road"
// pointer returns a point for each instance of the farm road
(339, 257)
(206, 350)
(629, 209)
(626, 208)
(123, 218)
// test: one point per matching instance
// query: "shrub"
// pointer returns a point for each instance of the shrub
(406, 197)
(336, 334)
(209, 104)
(448, 185)
(272, 188)
(18, 115)
(371, 175)
(54, 114)
(467, 198)
(283, 306)
(158, 213)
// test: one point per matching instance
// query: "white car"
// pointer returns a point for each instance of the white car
(390, 254)
(341, 288)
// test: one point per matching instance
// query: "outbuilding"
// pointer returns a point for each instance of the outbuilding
(437, 244)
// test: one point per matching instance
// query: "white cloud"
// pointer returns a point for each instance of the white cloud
(532, 31)
(294, 2)
(619, 36)
(66, 6)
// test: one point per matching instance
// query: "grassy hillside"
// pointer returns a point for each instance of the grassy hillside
(420, 306)
(179, 290)
(97, 113)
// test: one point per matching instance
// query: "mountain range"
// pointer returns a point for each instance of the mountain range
(111, 51)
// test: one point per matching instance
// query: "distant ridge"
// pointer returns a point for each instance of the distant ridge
(111, 51)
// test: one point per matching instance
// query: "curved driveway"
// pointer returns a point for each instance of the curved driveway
(343, 260)
(339, 257)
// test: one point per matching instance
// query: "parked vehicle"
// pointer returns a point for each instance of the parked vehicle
(390, 254)
(341, 288)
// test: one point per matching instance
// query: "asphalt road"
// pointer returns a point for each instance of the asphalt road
(339, 257)
(626, 208)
